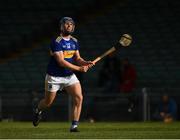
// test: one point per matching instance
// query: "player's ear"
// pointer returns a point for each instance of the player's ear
(73, 28)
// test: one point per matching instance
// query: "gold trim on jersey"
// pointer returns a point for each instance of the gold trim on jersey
(58, 39)
(74, 39)
(69, 54)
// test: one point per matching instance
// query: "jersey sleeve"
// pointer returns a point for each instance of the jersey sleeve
(56, 46)
(77, 45)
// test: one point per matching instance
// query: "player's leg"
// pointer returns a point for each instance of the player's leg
(43, 104)
(50, 94)
(47, 101)
(76, 92)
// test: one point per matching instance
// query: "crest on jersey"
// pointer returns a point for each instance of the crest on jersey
(68, 45)
(73, 46)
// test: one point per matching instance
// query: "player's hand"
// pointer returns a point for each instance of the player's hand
(90, 64)
(83, 68)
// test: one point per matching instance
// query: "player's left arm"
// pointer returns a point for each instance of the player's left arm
(80, 61)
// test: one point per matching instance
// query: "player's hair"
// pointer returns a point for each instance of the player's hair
(65, 19)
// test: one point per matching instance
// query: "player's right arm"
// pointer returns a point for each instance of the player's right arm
(59, 56)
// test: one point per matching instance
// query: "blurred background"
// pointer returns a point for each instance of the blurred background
(125, 86)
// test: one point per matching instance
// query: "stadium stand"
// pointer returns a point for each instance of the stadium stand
(155, 49)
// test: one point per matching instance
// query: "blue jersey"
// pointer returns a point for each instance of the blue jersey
(68, 47)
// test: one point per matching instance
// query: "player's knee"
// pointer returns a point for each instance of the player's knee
(48, 103)
(79, 100)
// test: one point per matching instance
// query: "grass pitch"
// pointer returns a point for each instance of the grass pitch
(103, 130)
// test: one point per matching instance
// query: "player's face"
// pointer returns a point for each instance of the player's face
(69, 26)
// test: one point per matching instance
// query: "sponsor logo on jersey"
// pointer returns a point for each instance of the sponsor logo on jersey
(68, 46)
(68, 54)
(64, 46)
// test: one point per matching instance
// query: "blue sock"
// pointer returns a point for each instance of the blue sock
(74, 124)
